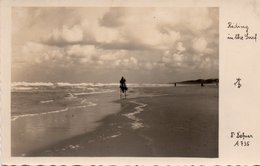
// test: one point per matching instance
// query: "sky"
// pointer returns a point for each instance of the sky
(99, 45)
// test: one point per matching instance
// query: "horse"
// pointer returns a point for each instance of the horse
(123, 90)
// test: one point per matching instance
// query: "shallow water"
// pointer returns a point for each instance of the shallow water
(43, 118)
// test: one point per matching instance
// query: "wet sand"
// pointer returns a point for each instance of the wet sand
(181, 123)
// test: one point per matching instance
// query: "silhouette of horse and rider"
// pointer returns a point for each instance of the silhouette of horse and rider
(123, 87)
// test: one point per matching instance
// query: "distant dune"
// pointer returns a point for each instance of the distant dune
(199, 81)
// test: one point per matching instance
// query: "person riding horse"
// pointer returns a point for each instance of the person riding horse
(123, 86)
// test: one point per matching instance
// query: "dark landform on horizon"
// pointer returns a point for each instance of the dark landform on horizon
(199, 81)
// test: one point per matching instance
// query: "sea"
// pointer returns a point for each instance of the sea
(43, 114)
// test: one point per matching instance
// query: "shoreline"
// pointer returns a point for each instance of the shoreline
(167, 130)
(111, 127)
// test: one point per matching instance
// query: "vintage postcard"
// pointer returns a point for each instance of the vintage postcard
(130, 82)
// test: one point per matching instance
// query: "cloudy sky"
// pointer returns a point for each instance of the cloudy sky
(146, 45)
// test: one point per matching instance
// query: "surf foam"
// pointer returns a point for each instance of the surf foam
(97, 92)
(46, 101)
(137, 121)
(42, 113)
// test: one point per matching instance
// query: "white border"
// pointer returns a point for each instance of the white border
(228, 106)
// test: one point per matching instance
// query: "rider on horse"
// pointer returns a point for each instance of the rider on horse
(123, 86)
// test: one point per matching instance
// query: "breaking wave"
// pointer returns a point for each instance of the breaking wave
(79, 85)
(42, 113)
(94, 92)
(46, 101)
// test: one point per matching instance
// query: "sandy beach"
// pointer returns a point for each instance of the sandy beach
(151, 122)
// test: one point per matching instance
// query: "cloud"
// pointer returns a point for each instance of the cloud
(113, 18)
(77, 56)
(125, 46)
(118, 39)
(172, 58)
(142, 29)
(206, 63)
(80, 50)
(32, 48)
(33, 52)
(201, 45)
(180, 47)
(200, 19)
(108, 57)
(132, 29)
(129, 63)
(65, 34)
(150, 66)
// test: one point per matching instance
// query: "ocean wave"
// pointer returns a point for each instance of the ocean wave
(137, 125)
(149, 85)
(112, 136)
(89, 103)
(82, 85)
(13, 118)
(69, 96)
(137, 121)
(97, 92)
(46, 101)
(32, 84)
(86, 104)
(92, 89)
(23, 88)
(85, 84)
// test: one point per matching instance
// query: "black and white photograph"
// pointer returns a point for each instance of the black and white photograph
(115, 82)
